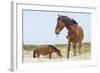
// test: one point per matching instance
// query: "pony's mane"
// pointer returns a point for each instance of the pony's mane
(68, 20)
(53, 47)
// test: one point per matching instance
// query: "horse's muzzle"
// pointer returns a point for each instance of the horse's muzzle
(57, 33)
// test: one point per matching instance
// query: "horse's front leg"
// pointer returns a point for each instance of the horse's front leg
(69, 44)
(74, 47)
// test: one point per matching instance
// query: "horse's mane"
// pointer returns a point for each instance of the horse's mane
(53, 47)
(74, 21)
(68, 20)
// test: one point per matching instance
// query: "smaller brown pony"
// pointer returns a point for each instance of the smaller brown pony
(45, 50)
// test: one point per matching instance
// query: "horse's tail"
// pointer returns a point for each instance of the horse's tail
(34, 53)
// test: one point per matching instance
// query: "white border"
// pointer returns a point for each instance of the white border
(17, 40)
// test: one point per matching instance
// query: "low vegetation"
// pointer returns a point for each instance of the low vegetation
(29, 47)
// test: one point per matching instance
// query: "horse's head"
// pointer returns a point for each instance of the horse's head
(60, 24)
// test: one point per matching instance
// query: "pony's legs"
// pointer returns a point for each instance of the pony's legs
(38, 55)
(69, 44)
(80, 44)
(74, 47)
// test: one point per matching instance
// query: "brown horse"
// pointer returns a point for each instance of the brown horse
(45, 50)
(75, 32)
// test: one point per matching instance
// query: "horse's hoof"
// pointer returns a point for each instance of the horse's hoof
(74, 54)
(67, 57)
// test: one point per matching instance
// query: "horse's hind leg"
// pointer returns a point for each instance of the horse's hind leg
(80, 44)
(69, 43)
(74, 47)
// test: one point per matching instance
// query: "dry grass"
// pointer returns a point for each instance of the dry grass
(85, 53)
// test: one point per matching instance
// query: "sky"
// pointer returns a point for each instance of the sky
(39, 27)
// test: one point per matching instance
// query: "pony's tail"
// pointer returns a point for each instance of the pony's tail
(34, 53)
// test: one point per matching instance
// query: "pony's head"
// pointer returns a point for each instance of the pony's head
(60, 24)
(59, 53)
